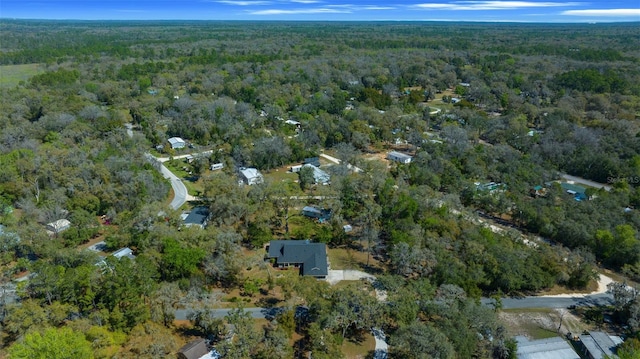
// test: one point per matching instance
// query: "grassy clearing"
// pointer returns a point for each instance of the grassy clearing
(358, 350)
(11, 75)
(541, 323)
(347, 258)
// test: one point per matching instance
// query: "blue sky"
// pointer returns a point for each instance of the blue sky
(334, 10)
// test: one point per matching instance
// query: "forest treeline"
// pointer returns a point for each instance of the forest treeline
(510, 104)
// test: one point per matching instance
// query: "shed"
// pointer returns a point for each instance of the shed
(550, 348)
(597, 345)
(399, 157)
(177, 142)
(58, 226)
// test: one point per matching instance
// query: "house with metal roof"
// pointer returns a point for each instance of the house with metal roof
(399, 157)
(251, 176)
(550, 348)
(320, 214)
(599, 345)
(177, 142)
(319, 176)
(58, 226)
(124, 252)
(310, 257)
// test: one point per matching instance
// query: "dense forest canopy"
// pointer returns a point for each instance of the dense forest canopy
(493, 114)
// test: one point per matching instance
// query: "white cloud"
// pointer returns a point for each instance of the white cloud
(243, 3)
(604, 12)
(305, 1)
(491, 5)
(319, 10)
(374, 7)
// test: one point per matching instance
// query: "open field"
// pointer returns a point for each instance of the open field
(540, 323)
(360, 349)
(346, 258)
(11, 75)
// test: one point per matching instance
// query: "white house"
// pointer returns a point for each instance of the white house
(177, 142)
(399, 157)
(319, 176)
(251, 176)
(217, 166)
(124, 252)
(58, 226)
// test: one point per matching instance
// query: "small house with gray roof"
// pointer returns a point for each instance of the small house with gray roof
(310, 257)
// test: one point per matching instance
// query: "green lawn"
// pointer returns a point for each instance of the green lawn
(11, 75)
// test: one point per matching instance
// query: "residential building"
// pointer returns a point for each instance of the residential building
(319, 176)
(399, 157)
(58, 226)
(198, 349)
(251, 176)
(217, 166)
(311, 258)
(550, 348)
(197, 217)
(599, 345)
(315, 161)
(177, 142)
(124, 252)
(320, 214)
(578, 192)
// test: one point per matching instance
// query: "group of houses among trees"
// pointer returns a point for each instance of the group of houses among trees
(433, 129)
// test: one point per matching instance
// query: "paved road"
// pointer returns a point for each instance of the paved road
(180, 191)
(552, 302)
(256, 313)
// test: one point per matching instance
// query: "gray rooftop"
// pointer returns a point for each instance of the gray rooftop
(551, 348)
(599, 344)
(197, 216)
(312, 256)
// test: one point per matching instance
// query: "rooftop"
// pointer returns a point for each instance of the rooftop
(124, 252)
(551, 348)
(599, 344)
(197, 217)
(312, 256)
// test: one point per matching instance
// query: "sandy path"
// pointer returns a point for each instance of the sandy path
(602, 288)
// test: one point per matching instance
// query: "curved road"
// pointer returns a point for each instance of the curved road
(179, 189)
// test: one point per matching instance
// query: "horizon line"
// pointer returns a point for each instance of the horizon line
(585, 22)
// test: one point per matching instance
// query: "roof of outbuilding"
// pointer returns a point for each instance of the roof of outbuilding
(551, 348)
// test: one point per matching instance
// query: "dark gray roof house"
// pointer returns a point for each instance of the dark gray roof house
(193, 350)
(311, 258)
(197, 217)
